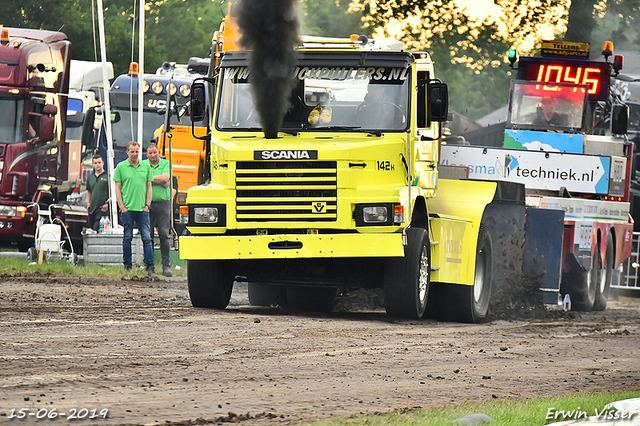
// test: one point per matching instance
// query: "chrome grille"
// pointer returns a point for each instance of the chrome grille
(278, 191)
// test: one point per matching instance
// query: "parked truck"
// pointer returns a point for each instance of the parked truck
(564, 165)
(159, 90)
(348, 193)
(39, 167)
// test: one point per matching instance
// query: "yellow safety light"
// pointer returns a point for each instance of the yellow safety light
(4, 35)
(133, 68)
(607, 49)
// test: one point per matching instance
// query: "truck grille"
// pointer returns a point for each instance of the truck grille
(278, 191)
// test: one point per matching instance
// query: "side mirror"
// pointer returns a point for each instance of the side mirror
(50, 109)
(47, 126)
(88, 139)
(619, 119)
(438, 101)
(197, 101)
(115, 117)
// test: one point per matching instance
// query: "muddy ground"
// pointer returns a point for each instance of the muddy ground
(139, 350)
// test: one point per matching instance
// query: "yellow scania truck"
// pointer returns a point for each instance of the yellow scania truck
(348, 195)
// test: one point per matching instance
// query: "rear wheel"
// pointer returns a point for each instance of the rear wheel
(474, 300)
(582, 285)
(267, 295)
(406, 280)
(604, 277)
(210, 283)
(311, 299)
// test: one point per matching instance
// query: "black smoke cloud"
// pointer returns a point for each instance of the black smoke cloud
(270, 32)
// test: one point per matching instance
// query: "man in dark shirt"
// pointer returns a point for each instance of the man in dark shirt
(546, 114)
(97, 193)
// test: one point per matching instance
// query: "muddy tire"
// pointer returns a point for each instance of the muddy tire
(604, 277)
(474, 300)
(210, 283)
(581, 286)
(311, 299)
(407, 279)
(267, 295)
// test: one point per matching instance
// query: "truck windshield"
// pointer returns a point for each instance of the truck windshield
(324, 99)
(124, 126)
(536, 106)
(12, 113)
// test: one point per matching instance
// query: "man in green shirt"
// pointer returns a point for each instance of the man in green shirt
(133, 193)
(160, 211)
(97, 193)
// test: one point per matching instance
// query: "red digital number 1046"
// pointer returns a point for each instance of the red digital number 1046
(566, 74)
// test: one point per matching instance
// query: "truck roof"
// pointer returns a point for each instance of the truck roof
(30, 34)
(36, 59)
(329, 57)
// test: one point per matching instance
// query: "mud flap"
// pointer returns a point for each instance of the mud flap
(542, 261)
(504, 219)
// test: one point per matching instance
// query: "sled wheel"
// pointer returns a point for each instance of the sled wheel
(267, 295)
(311, 299)
(406, 280)
(604, 277)
(210, 283)
(582, 285)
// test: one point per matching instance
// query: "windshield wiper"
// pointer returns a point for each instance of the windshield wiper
(338, 127)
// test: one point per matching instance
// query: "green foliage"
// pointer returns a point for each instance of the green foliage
(330, 18)
(619, 22)
(504, 412)
(175, 29)
(469, 56)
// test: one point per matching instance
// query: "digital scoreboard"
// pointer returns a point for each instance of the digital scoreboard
(595, 75)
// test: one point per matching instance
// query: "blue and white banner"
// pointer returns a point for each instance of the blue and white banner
(535, 169)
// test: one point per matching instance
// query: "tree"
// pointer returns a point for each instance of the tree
(175, 29)
(469, 54)
(330, 18)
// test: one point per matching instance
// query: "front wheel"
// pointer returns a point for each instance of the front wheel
(406, 280)
(604, 277)
(210, 283)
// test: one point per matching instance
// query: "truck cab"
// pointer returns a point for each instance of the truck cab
(37, 164)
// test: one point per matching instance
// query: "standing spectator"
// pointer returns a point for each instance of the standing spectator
(160, 211)
(133, 193)
(97, 193)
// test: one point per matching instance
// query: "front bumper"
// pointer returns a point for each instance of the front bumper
(226, 247)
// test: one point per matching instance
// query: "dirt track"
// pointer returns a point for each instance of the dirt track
(141, 351)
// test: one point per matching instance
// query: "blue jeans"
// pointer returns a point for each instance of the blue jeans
(142, 218)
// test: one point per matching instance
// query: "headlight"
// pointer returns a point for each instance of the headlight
(374, 214)
(156, 87)
(171, 88)
(185, 90)
(10, 211)
(205, 214)
(145, 86)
